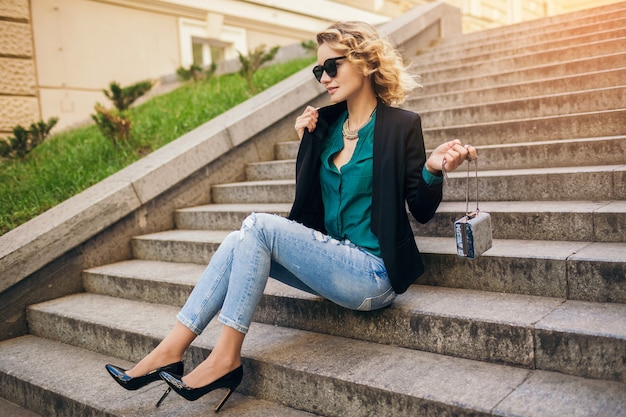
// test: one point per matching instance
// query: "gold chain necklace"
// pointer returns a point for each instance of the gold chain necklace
(354, 134)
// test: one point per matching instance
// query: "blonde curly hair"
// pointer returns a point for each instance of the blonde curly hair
(376, 57)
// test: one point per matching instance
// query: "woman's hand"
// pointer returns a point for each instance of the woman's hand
(454, 154)
(307, 120)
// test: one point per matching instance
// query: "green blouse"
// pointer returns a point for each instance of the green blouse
(347, 194)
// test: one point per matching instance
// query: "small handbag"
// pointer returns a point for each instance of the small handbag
(472, 231)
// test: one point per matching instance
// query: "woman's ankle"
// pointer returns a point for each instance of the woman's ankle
(210, 370)
(153, 361)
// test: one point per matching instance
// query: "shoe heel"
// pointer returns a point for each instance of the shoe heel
(167, 391)
(226, 397)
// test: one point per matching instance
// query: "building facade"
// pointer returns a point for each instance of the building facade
(56, 56)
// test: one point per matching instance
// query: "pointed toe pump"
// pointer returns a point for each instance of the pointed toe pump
(230, 381)
(133, 383)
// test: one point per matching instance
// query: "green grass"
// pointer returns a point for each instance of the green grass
(69, 162)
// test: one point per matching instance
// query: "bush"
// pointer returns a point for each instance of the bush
(309, 46)
(195, 73)
(250, 64)
(25, 140)
(113, 125)
(123, 98)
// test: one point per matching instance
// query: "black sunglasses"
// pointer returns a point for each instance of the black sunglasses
(330, 66)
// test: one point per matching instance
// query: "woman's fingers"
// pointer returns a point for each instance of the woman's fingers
(307, 120)
(453, 153)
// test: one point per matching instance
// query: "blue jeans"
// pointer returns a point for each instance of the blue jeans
(269, 245)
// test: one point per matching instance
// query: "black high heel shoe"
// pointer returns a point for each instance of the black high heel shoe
(133, 383)
(230, 381)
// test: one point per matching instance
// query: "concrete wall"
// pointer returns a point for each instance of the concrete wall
(81, 46)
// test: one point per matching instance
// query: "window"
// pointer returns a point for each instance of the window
(198, 46)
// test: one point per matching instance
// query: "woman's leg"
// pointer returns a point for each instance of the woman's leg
(170, 350)
(225, 357)
(239, 270)
(203, 303)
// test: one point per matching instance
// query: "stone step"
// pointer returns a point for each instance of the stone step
(575, 221)
(223, 216)
(434, 84)
(539, 27)
(440, 58)
(586, 221)
(583, 271)
(9, 409)
(71, 381)
(557, 153)
(597, 100)
(596, 183)
(249, 192)
(532, 42)
(499, 328)
(542, 184)
(533, 129)
(551, 86)
(334, 376)
(192, 246)
(554, 153)
(282, 169)
(287, 149)
(518, 47)
(575, 270)
(519, 62)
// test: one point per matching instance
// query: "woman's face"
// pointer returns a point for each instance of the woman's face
(349, 81)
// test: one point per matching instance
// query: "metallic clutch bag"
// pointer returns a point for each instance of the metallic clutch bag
(473, 234)
(472, 231)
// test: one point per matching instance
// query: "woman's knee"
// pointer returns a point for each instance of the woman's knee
(230, 240)
(259, 222)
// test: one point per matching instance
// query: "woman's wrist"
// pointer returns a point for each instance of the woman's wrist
(432, 170)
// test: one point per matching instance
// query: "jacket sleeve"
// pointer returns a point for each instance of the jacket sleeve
(422, 199)
(307, 207)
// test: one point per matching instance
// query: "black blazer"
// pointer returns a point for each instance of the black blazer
(399, 156)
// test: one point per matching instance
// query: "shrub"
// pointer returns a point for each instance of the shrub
(123, 98)
(195, 73)
(25, 140)
(250, 64)
(114, 125)
(309, 46)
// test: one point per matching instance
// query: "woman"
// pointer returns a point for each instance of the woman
(347, 238)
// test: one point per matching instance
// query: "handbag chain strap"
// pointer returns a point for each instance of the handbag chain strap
(445, 177)
(467, 188)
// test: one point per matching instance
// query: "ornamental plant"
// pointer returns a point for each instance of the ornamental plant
(123, 97)
(251, 63)
(25, 140)
(114, 125)
(195, 73)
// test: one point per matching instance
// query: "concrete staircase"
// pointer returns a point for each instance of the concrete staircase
(535, 327)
